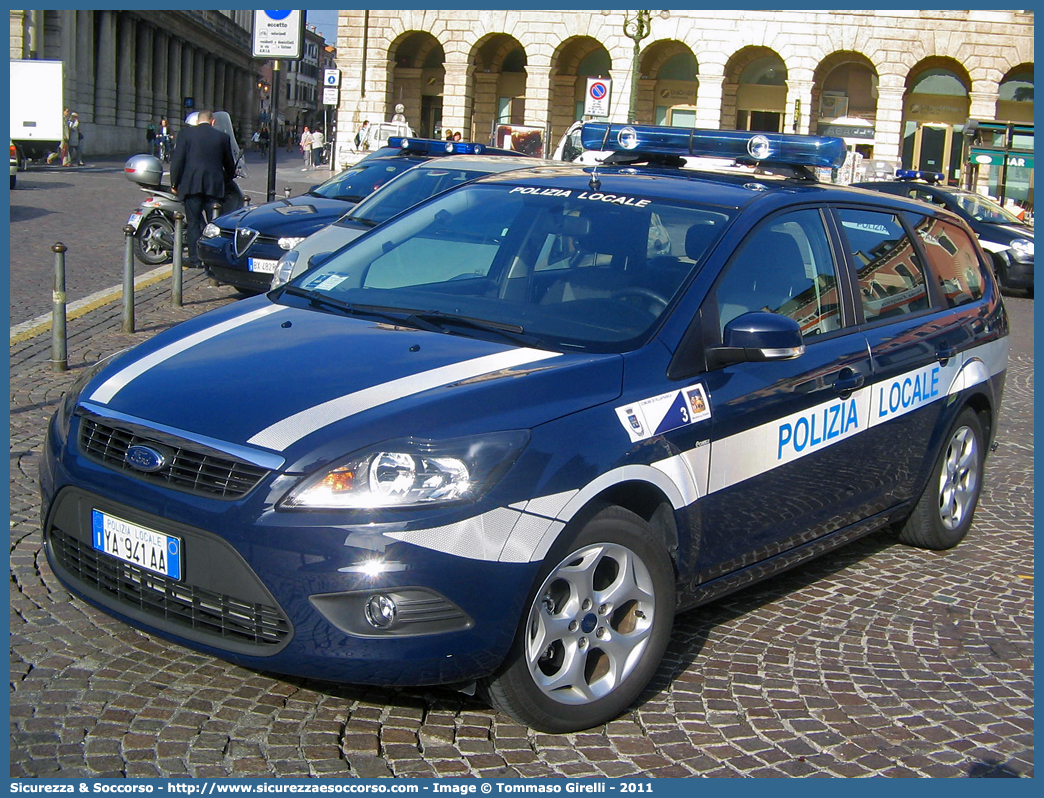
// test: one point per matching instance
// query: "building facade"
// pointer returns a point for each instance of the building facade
(125, 68)
(898, 85)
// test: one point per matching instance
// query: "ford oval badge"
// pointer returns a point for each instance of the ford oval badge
(144, 458)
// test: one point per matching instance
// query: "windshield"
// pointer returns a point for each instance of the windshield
(413, 186)
(566, 272)
(358, 182)
(983, 209)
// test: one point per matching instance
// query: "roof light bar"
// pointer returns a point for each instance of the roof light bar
(436, 147)
(823, 151)
(915, 174)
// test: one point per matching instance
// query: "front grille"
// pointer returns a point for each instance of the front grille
(188, 468)
(206, 613)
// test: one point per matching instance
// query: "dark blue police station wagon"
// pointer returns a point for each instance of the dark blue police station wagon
(502, 439)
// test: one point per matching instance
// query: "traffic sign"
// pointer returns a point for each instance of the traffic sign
(330, 95)
(278, 34)
(332, 77)
(596, 101)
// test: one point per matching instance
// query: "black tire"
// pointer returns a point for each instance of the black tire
(612, 585)
(943, 515)
(14, 180)
(149, 245)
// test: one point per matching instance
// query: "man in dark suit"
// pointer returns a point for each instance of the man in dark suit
(201, 169)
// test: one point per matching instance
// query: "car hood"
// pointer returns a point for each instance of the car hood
(313, 386)
(1009, 232)
(297, 216)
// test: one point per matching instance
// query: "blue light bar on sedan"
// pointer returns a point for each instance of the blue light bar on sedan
(916, 174)
(436, 147)
(824, 151)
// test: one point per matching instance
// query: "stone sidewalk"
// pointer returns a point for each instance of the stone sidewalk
(876, 660)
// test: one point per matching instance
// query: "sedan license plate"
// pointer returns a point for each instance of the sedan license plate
(134, 220)
(262, 265)
(135, 544)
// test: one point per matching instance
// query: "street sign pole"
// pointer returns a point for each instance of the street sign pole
(278, 35)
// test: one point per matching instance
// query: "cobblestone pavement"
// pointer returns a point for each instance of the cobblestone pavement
(876, 660)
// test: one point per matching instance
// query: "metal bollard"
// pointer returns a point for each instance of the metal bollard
(59, 355)
(127, 324)
(286, 191)
(179, 247)
(246, 200)
(215, 212)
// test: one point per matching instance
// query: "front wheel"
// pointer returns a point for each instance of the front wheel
(595, 630)
(153, 241)
(943, 514)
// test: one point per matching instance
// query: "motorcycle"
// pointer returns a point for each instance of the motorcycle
(153, 220)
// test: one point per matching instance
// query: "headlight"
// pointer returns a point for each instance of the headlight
(412, 473)
(289, 242)
(211, 231)
(284, 269)
(1023, 247)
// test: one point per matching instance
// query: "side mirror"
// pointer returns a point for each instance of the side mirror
(757, 336)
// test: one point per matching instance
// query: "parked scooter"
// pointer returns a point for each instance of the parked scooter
(153, 220)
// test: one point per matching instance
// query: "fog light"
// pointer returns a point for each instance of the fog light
(380, 611)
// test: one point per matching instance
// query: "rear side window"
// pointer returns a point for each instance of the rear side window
(889, 274)
(952, 260)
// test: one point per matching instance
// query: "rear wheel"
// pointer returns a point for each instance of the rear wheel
(152, 241)
(595, 630)
(943, 514)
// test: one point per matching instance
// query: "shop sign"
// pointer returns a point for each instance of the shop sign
(982, 158)
(848, 132)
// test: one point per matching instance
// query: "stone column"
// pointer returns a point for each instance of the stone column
(127, 73)
(561, 104)
(982, 106)
(199, 78)
(484, 106)
(188, 78)
(219, 101)
(708, 101)
(798, 90)
(105, 69)
(160, 74)
(211, 89)
(175, 74)
(538, 97)
(888, 134)
(146, 68)
(456, 91)
(84, 100)
(71, 87)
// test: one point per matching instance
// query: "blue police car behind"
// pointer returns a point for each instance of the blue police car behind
(242, 248)
(504, 437)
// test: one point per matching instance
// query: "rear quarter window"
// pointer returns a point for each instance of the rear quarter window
(952, 260)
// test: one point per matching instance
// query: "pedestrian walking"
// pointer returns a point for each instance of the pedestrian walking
(65, 137)
(291, 137)
(362, 136)
(201, 171)
(75, 140)
(306, 145)
(318, 142)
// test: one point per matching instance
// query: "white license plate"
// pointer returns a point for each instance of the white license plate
(134, 220)
(262, 265)
(135, 544)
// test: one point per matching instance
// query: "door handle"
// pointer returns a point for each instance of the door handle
(848, 380)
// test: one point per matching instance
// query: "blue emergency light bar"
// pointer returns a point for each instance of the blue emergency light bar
(437, 147)
(745, 146)
(915, 174)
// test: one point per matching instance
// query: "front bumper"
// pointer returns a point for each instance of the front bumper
(244, 271)
(280, 591)
(1019, 273)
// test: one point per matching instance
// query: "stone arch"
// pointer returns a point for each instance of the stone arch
(668, 84)
(754, 102)
(499, 79)
(1015, 95)
(575, 59)
(417, 65)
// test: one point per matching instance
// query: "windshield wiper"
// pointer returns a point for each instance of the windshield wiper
(512, 332)
(393, 315)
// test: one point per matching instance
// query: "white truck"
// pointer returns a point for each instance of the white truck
(36, 108)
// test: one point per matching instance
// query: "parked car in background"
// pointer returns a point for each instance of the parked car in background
(14, 164)
(1007, 239)
(412, 186)
(242, 248)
